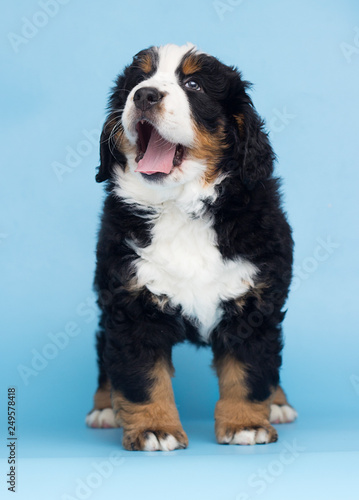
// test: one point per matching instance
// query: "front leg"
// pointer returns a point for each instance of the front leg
(138, 362)
(247, 360)
(240, 419)
(153, 423)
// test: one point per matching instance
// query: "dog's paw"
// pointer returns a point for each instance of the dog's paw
(154, 440)
(101, 419)
(282, 414)
(247, 435)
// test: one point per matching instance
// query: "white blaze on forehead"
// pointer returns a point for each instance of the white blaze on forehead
(174, 123)
(170, 57)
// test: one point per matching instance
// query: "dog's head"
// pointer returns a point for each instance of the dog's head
(177, 115)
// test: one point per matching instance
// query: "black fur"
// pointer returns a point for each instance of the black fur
(248, 220)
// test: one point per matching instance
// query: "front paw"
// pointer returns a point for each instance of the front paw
(245, 435)
(154, 440)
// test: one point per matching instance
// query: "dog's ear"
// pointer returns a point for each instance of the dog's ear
(253, 150)
(258, 156)
(109, 140)
(106, 158)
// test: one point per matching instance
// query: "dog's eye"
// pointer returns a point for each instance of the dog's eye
(192, 85)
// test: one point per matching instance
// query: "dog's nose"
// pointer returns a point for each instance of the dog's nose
(146, 97)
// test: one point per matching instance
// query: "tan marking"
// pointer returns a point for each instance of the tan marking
(191, 64)
(102, 397)
(234, 412)
(255, 291)
(208, 147)
(159, 415)
(133, 287)
(145, 63)
(279, 397)
(161, 301)
(240, 122)
(118, 139)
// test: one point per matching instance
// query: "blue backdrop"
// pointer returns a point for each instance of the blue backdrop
(59, 59)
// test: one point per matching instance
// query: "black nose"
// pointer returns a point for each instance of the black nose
(146, 97)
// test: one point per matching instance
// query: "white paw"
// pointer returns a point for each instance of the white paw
(167, 443)
(244, 437)
(282, 414)
(104, 419)
(262, 436)
(248, 437)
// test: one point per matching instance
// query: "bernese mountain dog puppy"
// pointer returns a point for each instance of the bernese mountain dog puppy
(193, 245)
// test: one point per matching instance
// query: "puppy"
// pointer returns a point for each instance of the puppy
(193, 246)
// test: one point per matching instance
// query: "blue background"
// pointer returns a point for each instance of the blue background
(303, 58)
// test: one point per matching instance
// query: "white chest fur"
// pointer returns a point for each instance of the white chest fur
(183, 263)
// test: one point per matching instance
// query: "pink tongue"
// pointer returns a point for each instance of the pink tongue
(158, 157)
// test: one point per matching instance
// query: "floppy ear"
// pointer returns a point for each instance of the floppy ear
(106, 158)
(258, 153)
(253, 150)
(109, 152)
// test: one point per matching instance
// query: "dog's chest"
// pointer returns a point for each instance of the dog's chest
(184, 264)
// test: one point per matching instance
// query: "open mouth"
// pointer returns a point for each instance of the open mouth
(154, 153)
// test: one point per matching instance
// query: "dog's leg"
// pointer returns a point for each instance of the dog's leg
(281, 412)
(152, 424)
(239, 418)
(101, 415)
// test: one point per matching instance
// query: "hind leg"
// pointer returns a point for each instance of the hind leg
(281, 412)
(102, 415)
